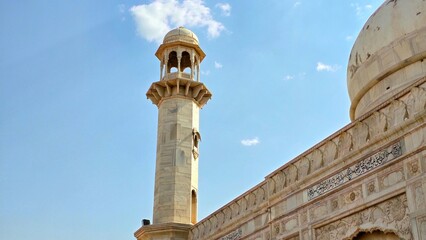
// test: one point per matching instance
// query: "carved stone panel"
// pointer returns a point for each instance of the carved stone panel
(368, 164)
(413, 168)
(318, 211)
(388, 216)
(391, 177)
(422, 227)
(419, 196)
(234, 235)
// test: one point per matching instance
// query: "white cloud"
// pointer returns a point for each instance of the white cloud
(250, 142)
(297, 3)
(207, 72)
(225, 7)
(368, 6)
(328, 68)
(217, 65)
(349, 37)
(357, 8)
(155, 19)
(288, 77)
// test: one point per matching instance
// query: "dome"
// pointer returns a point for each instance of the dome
(181, 34)
(179, 37)
(387, 55)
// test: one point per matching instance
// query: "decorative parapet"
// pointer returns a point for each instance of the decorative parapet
(240, 208)
(179, 87)
(353, 138)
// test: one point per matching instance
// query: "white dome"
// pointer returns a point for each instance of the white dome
(181, 34)
(392, 38)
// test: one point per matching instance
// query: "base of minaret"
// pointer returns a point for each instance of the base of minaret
(176, 231)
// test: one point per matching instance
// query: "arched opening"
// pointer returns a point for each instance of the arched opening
(172, 64)
(185, 61)
(187, 70)
(193, 207)
(376, 235)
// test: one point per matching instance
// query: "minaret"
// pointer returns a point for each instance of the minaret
(179, 95)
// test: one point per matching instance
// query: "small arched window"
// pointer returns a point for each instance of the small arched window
(193, 207)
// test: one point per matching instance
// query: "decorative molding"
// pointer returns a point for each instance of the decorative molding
(382, 157)
(388, 216)
(233, 235)
(178, 87)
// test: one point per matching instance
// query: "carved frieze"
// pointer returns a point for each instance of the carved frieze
(388, 216)
(236, 234)
(384, 156)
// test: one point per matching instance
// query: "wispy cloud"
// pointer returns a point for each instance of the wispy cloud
(225, 8)
(289, 77)
(349, 37)
(122, 10)
(250, 142)
(325, 67)
(297, 3)
(217, 65)
(155, 19)
(362, 10)
(207, 72)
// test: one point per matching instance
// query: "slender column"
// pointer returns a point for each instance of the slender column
(179, 57)
(192, 69)
(198, 70)
(167, 63)
(161, 70)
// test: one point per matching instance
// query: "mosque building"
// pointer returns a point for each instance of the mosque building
(365, 181)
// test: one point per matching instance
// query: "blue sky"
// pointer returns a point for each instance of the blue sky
(77, 134)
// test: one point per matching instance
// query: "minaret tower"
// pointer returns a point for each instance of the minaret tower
(179, 95)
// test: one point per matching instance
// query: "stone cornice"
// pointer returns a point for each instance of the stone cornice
(178, 88)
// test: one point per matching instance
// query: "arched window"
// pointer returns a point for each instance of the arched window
(193, 207)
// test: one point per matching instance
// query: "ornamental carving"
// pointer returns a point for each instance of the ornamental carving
(388, 216)
(356, 170)
(233, 235)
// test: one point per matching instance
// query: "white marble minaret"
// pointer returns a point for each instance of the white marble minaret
(179, 95)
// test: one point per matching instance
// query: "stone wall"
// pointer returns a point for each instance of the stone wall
(368, 175)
